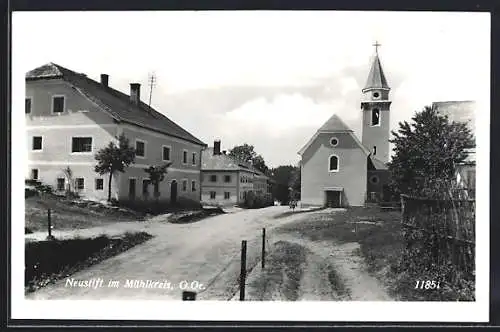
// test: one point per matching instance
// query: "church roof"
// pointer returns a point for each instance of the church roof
(376, 164)
(376, 77)
(334, 124)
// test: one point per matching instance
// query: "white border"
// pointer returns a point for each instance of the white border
(234, 310)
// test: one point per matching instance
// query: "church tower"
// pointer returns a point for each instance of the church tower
(375, 105)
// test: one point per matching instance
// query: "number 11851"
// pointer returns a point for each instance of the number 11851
(426, 284)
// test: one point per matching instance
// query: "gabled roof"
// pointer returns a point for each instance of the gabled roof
(224, 162)
(376, 78)
(114, 102)
(221, 162)
(334, 125)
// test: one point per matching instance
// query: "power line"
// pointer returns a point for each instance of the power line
(152, 84)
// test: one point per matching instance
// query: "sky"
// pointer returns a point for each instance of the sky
(266, 78)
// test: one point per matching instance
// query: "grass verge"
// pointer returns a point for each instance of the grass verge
(382, 246)
(49, 261)
(281, 278)
(67, 214)
(185, 217)
(292, 212)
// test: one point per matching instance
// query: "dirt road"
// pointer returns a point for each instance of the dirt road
(200, 253)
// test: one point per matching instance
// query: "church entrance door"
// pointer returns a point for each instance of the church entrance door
(333, 198)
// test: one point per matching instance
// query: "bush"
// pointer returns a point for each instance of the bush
(256, 200)
(28, 192)
(32, 182)
(45, 188)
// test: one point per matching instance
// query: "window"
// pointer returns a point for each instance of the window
(374, 150)
(81, 144)
(140, 148)
(227, 178)
(374, 179)
(375, 117)
(58, 104)
(166, 153)
(80, 183)
(145, 187)
(37, 143)
(227, 195)
(184, 157)
(60, 184)
(334, 141)
(184, 185)
(34, 174)
(333, 164)
(193, 185)
(213, 178)
(27, 105)
(99, 184)
(193, 158)
(376, 94)
(212, 195)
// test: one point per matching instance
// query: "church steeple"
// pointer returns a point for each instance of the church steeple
(376, 78)
(375, 104)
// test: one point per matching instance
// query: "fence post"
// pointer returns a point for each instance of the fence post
(188, 296)
(263, 247)
(243, 269)
(49, 224)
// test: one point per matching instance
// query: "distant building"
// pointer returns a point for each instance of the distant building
(69, 117)
(227, 181)
(462, 111)
(339, 170)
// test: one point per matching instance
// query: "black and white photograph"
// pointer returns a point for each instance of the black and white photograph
(251, 165)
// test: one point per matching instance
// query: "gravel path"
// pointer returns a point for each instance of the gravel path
(188, 253)
(325, 257)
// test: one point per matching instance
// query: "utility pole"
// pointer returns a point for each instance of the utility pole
(152, 84)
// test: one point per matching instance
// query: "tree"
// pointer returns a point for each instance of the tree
(294, 183)
(68, 174)
(426, 154)
(157, 175)
(286, 177)
(112, 159)
(259, 163)
(246, 153)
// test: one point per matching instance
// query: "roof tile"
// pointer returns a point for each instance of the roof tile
(115, 102)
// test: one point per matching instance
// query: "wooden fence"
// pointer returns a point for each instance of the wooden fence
(442, 232)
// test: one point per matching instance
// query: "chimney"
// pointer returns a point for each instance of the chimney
(216, 147)
(104, 79)
(135, 93)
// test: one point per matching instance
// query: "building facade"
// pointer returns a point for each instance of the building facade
(69, 117)
(226, 181)
(339, 170)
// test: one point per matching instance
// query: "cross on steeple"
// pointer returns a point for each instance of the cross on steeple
(376, 46)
